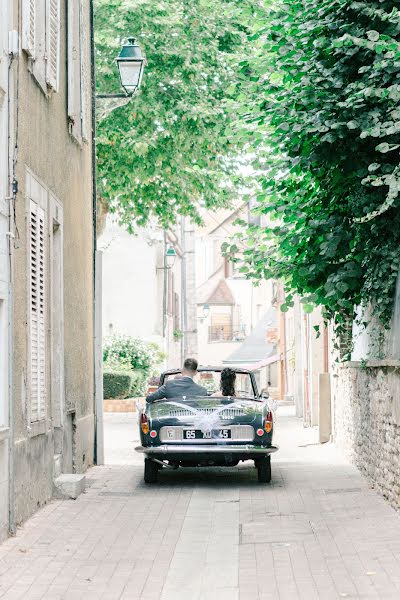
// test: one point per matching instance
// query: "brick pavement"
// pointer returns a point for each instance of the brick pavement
(317, 532)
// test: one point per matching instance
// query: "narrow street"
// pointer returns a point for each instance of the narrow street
(318, 531)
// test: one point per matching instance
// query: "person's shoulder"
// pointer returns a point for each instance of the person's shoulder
(201, 387)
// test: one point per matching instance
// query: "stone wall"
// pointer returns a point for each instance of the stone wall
(366, 421)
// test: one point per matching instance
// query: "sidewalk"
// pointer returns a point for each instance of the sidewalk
(317, 532)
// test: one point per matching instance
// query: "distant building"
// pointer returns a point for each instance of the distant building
(234, 315)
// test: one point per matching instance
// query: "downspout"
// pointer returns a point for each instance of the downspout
(165, 274)
(98, 454)
(12, 194)
(184, 341)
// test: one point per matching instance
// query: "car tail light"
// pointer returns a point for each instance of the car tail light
(144, 423)
(268, 422)
(153, 433)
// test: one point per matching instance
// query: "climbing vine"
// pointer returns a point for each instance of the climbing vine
(323, 120)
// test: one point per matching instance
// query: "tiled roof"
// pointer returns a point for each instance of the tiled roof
(215, 291)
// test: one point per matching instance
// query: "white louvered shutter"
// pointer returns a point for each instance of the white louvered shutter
(52, 43)
(29, 26)
(85, 70)
(37, 298)
(74, 69)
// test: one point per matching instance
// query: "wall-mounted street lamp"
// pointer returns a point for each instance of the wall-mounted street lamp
(206, 312)
(169, 259)
(130, 63)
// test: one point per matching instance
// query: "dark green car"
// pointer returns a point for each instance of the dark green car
(209, 430)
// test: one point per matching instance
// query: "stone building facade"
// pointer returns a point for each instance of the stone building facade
(47, 418)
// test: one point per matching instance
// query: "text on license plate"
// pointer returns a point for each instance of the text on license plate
(197, 434)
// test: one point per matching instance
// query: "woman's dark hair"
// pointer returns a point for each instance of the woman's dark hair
(228, 378)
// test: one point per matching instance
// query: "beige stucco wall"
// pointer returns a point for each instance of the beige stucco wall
(4, 278)
(46, 148)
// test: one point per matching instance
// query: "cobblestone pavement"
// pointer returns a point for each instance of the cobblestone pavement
(317, 532)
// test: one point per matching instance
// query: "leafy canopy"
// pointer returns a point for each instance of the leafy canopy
(323, 116)
(167, 151)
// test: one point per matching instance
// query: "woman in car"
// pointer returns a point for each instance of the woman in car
(227, 383)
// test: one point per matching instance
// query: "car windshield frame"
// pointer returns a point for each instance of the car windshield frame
(166, 374)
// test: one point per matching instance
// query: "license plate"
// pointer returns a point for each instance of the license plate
(197, 434)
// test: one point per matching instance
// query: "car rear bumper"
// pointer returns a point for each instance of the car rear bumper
(244, 449)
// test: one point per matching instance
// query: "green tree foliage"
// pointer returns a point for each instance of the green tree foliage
(323, 110)
(167, 151)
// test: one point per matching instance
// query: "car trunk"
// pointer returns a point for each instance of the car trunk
(188, 411)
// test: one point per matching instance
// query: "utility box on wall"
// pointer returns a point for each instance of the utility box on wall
(324, 395)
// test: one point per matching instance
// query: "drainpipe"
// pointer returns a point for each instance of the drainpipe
(97, 317)
(307, 374)
(184, 340)
(12, 195)
(165, 276)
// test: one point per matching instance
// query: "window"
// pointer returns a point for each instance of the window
(221, 328)
(37, 309)
(79, 77)
(41, 40)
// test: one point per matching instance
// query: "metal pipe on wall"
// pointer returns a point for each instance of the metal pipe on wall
(12, 194)
(184, 341)
(98, 454)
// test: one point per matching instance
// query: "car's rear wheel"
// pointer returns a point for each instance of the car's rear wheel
(150, 471)
(263, 466)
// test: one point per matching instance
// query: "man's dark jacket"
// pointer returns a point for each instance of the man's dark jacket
(176, 388)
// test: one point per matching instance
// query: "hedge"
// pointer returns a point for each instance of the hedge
(122, 384)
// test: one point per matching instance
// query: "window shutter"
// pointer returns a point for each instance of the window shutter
(37, 298)
(85, 71)
(74, 69)
(29, 26)
(53, 43)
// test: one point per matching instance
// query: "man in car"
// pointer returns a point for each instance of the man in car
(184, 386)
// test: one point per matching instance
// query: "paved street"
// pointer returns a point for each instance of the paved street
(317, 531)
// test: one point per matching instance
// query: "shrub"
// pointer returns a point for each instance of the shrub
(120, 384)
(116, 385)
(129, 354)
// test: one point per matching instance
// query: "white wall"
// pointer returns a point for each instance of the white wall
(374, 342)
(133, 284)
(130, 284)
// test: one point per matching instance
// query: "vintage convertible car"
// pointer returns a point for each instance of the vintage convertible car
(208, 430)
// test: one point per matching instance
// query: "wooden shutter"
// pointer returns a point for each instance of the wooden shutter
(53, 43)
(85, 71)
(37, 309)
(29, 26)
(74, 69)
